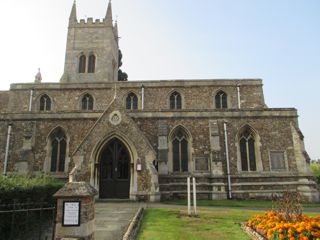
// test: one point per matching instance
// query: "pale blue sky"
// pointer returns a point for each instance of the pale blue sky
(276, 40)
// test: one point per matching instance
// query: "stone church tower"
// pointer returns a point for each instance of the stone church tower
(92, 50)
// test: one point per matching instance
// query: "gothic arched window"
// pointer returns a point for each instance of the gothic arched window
(221, 100)
(58, 150)
(180, 153)
(92, 63)
(87, 102)
(45, 103)
(247, 150)
(132, 101)
(82, 64)
(175, 101)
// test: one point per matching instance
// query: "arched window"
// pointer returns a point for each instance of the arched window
(87, 102)
(221, 100)
(92, 63)
(132, 101)
(175, 101)
(82, 64)
(58, 150)
(45, 103)
(247, 150)
(180, 152)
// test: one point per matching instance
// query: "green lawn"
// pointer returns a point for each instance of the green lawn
(173, 224)
(237, 203)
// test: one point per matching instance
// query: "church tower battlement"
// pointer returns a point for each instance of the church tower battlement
(92, 49)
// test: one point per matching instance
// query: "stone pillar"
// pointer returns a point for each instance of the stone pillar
(218, 189)
(216, 161)
(71, 197)
(26, 155)
(162, 148)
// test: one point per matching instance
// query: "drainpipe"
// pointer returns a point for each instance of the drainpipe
(227, 157)
(7, 150)
(30, 100)
(142, 97)
(238, 91)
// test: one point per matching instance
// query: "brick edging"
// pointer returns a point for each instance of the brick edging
(251, 233)
(134, 225)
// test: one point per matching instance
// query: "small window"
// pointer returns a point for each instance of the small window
(132, 102)
(277, 159)
(175, 101)
(92, 63)
(82, 64)
(221, 100)
(45, 103)
(87, 102)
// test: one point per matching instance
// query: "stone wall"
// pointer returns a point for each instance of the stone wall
(196, 95)
(4, 99)
(275, 129)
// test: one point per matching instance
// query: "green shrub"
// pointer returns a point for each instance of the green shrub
(25, 188)
(315, 169)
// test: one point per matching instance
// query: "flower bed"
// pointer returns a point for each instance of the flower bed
(276, 225)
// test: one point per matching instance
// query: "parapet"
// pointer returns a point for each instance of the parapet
(90, 22)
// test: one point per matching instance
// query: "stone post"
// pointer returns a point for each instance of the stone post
(75, 217)
(163, 148)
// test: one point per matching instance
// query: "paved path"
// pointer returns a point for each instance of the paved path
(112, 219)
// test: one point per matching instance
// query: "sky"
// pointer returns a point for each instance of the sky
(276, 40)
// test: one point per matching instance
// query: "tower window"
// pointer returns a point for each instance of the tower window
(132, 101)
(87, 102)
(175, 101)
(221, 100)
(92, 63)
(247, 151)
(58, 150)
(45, 103)
(82, 64)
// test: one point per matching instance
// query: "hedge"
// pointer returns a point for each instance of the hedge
(27, 188)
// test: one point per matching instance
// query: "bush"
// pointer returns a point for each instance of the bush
(315, 169)
(26, 188)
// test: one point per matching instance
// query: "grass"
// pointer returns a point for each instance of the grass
(174, 224)
(237, 203)
(212, 223)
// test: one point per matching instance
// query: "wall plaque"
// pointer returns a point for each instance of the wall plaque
(115, 118)
(71, 213)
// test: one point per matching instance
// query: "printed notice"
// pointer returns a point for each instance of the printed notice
(71, 214)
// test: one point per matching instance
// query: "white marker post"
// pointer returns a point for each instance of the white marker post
(194, 196)
(188, 186)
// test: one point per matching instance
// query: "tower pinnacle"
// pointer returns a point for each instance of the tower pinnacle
(109, 14)
(73, 14)
(115, 31)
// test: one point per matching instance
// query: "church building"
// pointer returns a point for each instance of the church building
(140, 140)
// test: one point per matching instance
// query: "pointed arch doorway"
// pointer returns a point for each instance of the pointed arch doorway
(114, 170)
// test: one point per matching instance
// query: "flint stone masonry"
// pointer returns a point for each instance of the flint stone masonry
(147, 134)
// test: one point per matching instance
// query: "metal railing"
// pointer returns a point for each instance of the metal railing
(27, 221)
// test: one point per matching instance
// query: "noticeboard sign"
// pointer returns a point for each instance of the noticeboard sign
(71, 213)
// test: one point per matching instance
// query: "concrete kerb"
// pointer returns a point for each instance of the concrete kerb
(134, 225)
